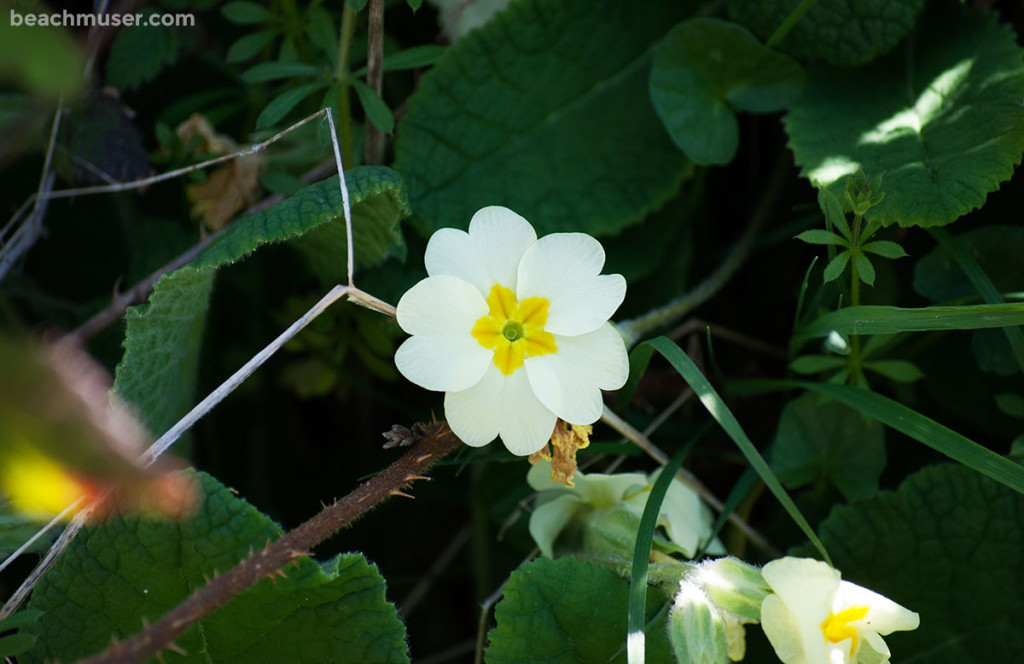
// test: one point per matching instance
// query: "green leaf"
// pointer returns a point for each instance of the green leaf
(996, 249)
(376, 110)
(357, 5)
(980, 281)
(808, 364)
(139, 53)
(704, 70)
(900, 371)
(16, 529)
(890, 320)
(920, 428)
(835, 213)
(414, 58)
(837, 31)
(818, 236)
(16, 644)
(637, 617)
(129, 570)
(946, 544)
(269, 71)
(243, 12)
(884, 248)
(157, 372)
(865, 270)
(682, 363)
(817, 441)
(994, 353)
(1010, 403)
(250, 45)
(20, 619)
(415, 4)
(565, 610)
(281, 105)
(322, 31)
(544, 109)
(941, 121)
(836, 266)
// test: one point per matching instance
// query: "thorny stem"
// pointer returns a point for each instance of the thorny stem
(634, 329)
(272, 559)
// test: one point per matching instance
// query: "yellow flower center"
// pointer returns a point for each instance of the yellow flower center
(837, 626)
(513, 329)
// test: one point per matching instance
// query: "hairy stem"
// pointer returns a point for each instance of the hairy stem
(272, 559)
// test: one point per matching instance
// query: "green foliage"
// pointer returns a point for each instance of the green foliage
(838, 32)
(129, 570)
(704, 71)
(819, 442)
(139, 53)
(553, 121)
(939, 120)
(878, 319)
(12, 645)
(948, 545)
(573, 612)
(162, 340)
(996, 248)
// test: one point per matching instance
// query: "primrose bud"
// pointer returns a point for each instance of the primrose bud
(733, 586)
(696, 628)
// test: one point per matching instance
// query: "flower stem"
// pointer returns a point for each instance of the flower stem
(856, 371)
(787, 25)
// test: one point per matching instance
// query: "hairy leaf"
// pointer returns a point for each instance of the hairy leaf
(948, 545)
(569, 611)
(116, 576)
(704, 71)
(942, 120)
(544, 110)
(162, 339)
(830, 441)
(837, 31)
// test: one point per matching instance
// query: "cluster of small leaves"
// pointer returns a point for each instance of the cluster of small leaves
(861, 195)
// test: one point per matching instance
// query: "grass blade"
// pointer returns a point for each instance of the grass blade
(892, 320)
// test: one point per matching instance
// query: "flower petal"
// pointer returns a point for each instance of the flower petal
(807, 588)
(442, 362)
(884, 615)
(503, 405)
(780, 627)
(441, 305)
(549, 519)
(569, 381)
(684, 517)
(488, 254)
(565, 268)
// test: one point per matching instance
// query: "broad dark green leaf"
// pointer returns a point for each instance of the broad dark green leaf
(544, 110)
(996, 249)
(704, 71)
(162, 339)
(818, 442)
(948, 545)
(940, 118)
(129, 570)
(923, 429)
(837, 31)
(569, 611)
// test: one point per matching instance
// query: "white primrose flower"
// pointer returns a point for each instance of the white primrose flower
(813, 617)
(686, 520)
(513, 329)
